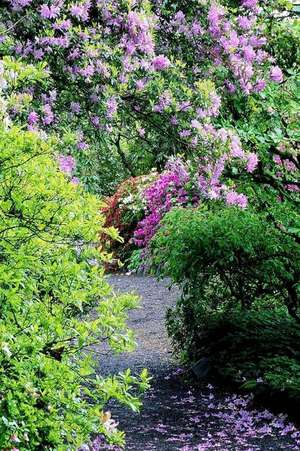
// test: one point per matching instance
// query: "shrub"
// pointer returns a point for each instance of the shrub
(51, 276)
(123, 211)
(256, 350)
(228, 258)
(238, 316)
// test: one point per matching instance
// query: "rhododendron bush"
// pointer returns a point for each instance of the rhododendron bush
(145, 80)
(123, 211)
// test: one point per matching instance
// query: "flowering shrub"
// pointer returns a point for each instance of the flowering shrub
(51, 277)
(116, 77)
(123, 211)
(186, 185)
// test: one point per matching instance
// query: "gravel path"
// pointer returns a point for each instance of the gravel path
(177, 416)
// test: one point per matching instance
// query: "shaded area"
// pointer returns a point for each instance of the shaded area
(176, 415)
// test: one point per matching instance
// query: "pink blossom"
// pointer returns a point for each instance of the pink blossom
(33, 118)
(66, 163)
(252, 162)
(49, 12)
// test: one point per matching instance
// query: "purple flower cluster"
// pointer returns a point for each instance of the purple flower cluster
(239, 46)
(66, 164)
(176, 186)
(167, 191)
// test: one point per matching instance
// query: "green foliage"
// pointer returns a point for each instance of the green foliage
(228, 258)
(51, 276)
(239, 307)
(257, 350)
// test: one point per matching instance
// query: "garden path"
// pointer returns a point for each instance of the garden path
(176, 415)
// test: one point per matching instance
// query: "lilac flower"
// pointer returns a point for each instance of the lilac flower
(87, 71)
(276, 74)
(75, 107)
(260, 85)
(95, 120)
(66, 163)
(249, 3)
(33, 118)
(230, 86)
(234, 198)
(140, 84)
(81, 10)
(63, 25)
(48, 114)
(82, 145)
(252, 162)
(141, 132)
(38, 54)
(244, 22)
(75, 180)
(164, 102)
(49, 12)
(249, 53)
(236, 147)
(111, 107)
(160, 63)
(19, 4)
(195, 124)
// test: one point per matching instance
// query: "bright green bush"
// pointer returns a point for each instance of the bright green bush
(228, 258)
(239, 308)
(51, 276)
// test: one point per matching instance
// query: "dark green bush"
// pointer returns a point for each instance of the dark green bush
(257, 350)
